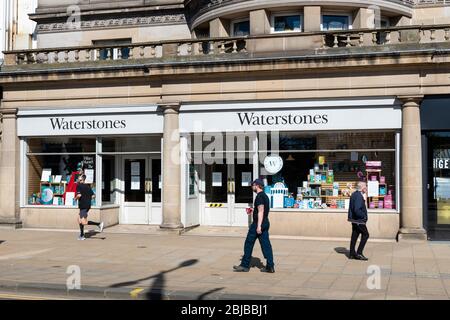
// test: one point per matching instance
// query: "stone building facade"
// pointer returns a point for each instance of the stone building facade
(172, 107)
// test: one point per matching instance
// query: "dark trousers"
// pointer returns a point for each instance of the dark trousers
(358, 229)
(264, 241)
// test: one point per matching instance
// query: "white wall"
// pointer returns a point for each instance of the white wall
(15, 25)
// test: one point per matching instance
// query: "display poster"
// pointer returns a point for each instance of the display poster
(354, 156)
(217, 179)
(373, 188)
(55, 201)
(135, 168)
(70, 196)
(57, 179)
(88, 162)
(46, 174)
(246, 179)
(89, 173)
(135, 183)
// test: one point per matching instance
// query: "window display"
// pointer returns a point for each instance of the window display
(322, 171)
(54, 167)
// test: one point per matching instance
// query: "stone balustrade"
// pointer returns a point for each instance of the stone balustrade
(227, 47)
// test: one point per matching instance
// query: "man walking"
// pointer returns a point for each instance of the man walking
(259, 229)
(357, 215)
(84, 197)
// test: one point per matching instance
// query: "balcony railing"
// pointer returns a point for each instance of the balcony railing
(226, 48)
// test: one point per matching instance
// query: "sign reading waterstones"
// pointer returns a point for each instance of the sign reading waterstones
(315, 119)
(95, 121)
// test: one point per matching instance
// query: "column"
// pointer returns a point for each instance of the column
(9, 171)
(364, 19)
(259, 22)
(312, 17)
(219, 28)
(171, 206)
(411, 214)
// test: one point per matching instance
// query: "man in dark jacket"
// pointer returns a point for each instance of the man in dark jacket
(357, 215)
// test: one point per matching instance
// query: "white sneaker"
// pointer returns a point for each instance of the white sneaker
(81, 238)
(100, 227)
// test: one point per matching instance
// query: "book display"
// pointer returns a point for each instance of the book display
(323, 190)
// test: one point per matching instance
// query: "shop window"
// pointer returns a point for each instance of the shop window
(439, 184)
(54, 166)
(321, 171)
(287, 23)
(335, 22)
(240, 28)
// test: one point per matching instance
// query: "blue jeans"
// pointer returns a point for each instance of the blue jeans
(264, 241)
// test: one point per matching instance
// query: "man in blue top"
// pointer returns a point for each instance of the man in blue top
(259, 229)
(357, 215)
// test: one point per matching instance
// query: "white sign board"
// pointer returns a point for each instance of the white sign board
(217, 179)
(273, 164)
(297, 119)
(77, 122)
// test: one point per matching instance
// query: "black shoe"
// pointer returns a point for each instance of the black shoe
(362, 257)
(353, 257)
(240, 269)
(268, 269)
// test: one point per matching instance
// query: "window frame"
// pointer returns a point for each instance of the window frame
(349, 15)
(286, 14)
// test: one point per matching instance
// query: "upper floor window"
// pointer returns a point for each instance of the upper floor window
(115, 51)
(240, 28)
(335, 22)
(287, 23)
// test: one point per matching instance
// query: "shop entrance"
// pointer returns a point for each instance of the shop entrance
(227, 194)
(142, 190)
(438, 185)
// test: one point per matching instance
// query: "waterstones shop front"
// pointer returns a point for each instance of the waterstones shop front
(119, 152)
(311, 154)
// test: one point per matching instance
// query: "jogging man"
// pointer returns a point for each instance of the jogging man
(84, 197)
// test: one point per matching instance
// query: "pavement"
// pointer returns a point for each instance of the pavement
(122, 265)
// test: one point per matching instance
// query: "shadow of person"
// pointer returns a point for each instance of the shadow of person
(2, 241)
(342, 250)
(203, 295)
(157, 288)
(92, 235)
(256, 263)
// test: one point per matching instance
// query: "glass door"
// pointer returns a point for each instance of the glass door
(217, 194)
(241, 192)
(439, 186)
(143, 190)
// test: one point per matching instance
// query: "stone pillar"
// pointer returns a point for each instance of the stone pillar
(171, 206)
(313, 18)
(411, 213)
(364, 19)
(219, 28)
(9, 171)
(259, 22)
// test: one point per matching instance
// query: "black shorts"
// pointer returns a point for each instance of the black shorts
(84, 213)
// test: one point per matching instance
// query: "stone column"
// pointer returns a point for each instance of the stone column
(219, 28)
(259, 22)
(171, 206)
(411, 214)
(9, 171)
(313, 18)
(364, 19)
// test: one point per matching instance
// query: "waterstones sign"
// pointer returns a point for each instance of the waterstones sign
(363, 118)
(98, 124)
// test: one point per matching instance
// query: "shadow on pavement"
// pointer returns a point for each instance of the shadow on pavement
(342, 250)
(92, 235)
(156, 290)
(256, 263)
(1, 241)
(202, 296)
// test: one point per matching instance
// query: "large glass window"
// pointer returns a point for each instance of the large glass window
(287, 23)
(54, 166)
(335, 22)
(321, 171)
